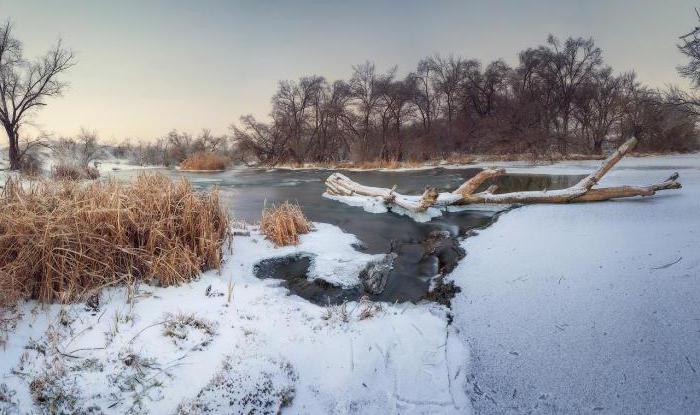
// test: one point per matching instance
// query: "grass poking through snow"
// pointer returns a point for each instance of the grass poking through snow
(189, 331)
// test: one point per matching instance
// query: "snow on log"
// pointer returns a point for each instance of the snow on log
(583, 191)
(593, 179)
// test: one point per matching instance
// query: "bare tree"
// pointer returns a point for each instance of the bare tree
(88, 146)
(292, 108)
(179, 146)
(263, 141)
(425, 98)
(690, 47)
(448, 76)
(208, 142)
(25, 85)
(365, 91)
(565, 67)
(482, 89)
(401, 111)
(600, 106)
(331, 109)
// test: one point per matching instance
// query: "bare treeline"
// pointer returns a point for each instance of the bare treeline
(561, 99)
(172, 149)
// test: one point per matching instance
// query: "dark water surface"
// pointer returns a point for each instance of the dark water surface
(246, 191)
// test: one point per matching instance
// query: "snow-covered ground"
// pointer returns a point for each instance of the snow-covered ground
(578, 308)
(588, 308)
(187, 349)
(108, 166)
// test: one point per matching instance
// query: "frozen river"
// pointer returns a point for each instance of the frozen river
(589, 308)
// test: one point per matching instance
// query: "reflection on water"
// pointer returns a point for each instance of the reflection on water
(246, 191)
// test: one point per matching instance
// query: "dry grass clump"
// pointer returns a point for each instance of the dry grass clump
(284, 223)
(71, 172)
(64, 240)
(204, 161)
(385, 164)
(460, 158)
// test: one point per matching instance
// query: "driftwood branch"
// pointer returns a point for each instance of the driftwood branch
(472, 184)
(583, 191)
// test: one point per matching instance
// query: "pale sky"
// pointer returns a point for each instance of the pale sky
(146, 67)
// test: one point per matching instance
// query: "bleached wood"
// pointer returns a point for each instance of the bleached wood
(473, 183)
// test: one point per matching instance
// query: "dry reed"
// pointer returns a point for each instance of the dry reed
(284, 223)
(65, 240)
(355, 165)
(204, 161)
(71, 172)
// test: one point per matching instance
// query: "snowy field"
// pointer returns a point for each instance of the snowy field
(564, 309)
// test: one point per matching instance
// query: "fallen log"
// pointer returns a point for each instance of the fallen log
(583, 191)
(472, 184)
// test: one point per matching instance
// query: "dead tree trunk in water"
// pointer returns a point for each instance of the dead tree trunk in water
(583, 191)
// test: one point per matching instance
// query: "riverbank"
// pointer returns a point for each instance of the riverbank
(231, 342)
(465, 161)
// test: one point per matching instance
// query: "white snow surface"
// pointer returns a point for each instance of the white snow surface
(588, 308)
(333, 258)
(106, 167)
(376, 205)
(267, 344)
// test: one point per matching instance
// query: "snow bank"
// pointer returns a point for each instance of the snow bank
(109, 166)
(333, 257)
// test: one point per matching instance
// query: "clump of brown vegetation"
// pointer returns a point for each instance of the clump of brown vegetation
(284, 223)
(204, 161)
(386, 164)
(73, 172)
(65, 240)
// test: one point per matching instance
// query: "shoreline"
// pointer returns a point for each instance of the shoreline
(477, 163)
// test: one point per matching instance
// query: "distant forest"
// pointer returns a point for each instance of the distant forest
(560, 100)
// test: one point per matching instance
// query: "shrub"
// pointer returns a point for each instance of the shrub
(65, 240)
(204, 161)
(91, 173)
(73, 172)
(30, 164)
(284, 223)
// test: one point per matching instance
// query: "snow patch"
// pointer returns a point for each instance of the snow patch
(376, 205)
(333, 257)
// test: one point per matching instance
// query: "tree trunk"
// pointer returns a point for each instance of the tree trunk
(13, 139)
(597, 146)
(583, 191)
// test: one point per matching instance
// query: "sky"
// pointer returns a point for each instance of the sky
(147, 67)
